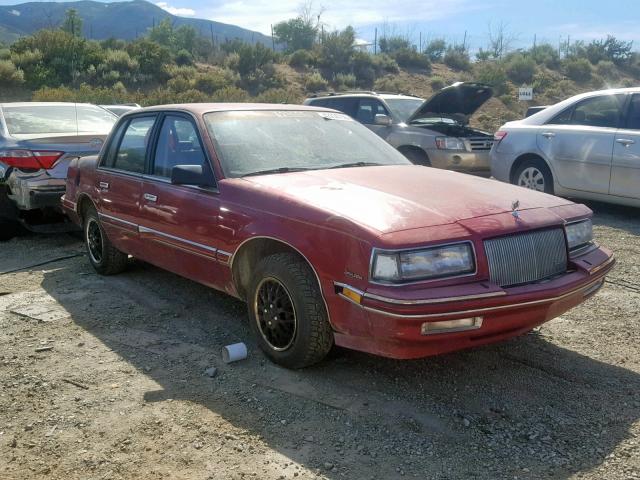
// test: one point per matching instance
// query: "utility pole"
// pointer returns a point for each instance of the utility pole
(534, 41)
(213, 44)
(273, 39)
(420, 44)
(375, 42)
(464, 41)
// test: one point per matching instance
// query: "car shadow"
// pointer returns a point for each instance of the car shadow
(616, 216)
(526, 408)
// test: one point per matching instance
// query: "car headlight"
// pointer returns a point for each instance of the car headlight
(579, 234)
(422, 264)
(449, 143)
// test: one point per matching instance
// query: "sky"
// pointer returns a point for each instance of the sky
(547, 20)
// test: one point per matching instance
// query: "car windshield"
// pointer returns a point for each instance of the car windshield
(402, 108)
(253, 142)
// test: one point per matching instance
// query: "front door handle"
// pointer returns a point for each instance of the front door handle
(548, 134)
(104, 185)
(149, 197)
(625, 141)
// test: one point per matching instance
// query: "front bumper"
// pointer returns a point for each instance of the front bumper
(396, 319)
(477, 162)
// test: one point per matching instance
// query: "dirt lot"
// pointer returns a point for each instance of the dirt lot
(122, 393)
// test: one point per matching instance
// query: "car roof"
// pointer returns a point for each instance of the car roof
(363, 93)
(43, 104)
(202, 108)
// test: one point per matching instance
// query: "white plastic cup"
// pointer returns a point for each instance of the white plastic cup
(233, 353)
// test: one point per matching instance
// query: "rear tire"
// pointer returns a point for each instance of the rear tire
(104, 257)
(534, 174)
(9, 225)
(416, 156)
(287, 312)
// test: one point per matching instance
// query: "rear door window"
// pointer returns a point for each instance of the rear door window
(633, 117)
(368, 108)
(602, 111)
(94, 120)
(178, 144)
(344, 104)
(132, 151)
(29, 120)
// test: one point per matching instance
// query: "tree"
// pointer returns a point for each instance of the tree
(500, 40)
(72, 23)
(297, 34)
(163, 33)
(435, 50)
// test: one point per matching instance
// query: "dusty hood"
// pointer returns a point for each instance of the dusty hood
(454, 101)
(395, 198)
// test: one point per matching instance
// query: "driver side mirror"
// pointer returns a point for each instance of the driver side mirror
(192, 175)
(384, 120)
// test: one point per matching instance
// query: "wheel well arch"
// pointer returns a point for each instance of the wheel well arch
(251, 251)
(84, 202)
(414, 148)
(522, 159)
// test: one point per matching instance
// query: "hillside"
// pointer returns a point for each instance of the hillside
(123, 20)
(171, 63)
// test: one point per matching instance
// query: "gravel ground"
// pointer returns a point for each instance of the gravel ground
(104, 378)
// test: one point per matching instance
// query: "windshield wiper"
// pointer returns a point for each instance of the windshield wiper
(277, 170)
(357, 164)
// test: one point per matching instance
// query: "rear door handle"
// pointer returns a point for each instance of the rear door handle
(625, 141)
(104, 185)
(150, 198)
(548, 134)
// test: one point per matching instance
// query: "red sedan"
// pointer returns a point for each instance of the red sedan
(329, 234)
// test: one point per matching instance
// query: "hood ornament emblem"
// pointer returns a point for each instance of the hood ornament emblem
(515, 205)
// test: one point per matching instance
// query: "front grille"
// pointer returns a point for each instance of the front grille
(526, 257)
(481, 143)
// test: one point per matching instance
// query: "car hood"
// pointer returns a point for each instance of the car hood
(453, 101)
(401, 197)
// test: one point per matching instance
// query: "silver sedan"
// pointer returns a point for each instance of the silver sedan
(585, 147)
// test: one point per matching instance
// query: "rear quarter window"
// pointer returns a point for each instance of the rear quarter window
(346, 105)
(94, 120)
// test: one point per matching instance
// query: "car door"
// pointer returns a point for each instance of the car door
(119, 182)
(179, 223)
(625, 168)
(579, 143)
(366, 113)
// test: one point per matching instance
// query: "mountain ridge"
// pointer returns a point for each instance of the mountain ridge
(124, 20)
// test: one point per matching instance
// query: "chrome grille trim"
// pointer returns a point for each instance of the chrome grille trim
(480, 143)
(526, 257)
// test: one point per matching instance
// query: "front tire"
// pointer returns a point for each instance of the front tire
(104, 257)
(534, 174)
(287, 313)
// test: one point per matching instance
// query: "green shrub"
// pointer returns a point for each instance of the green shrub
(5, 54)
(493, 74)
(184, 57)
(262, 79)
(435, 50)
(10, 76)
(437, 83)
(578, 70)
(457, 59)
(86, 93)
(280, 95)
(391, 83)
(214, 80)
(608, 70)
(543, 81)
(520, 69)
(301, 58)
(314, 82)
(410, 58)
(345, 81)
(180, 84)
(545, 54)
(231, 94)
(253, 57)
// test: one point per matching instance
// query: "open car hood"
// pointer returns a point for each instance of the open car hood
(459, 99)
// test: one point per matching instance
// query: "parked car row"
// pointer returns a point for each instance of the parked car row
(328, 233)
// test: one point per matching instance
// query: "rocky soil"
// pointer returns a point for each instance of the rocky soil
(104, 378)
